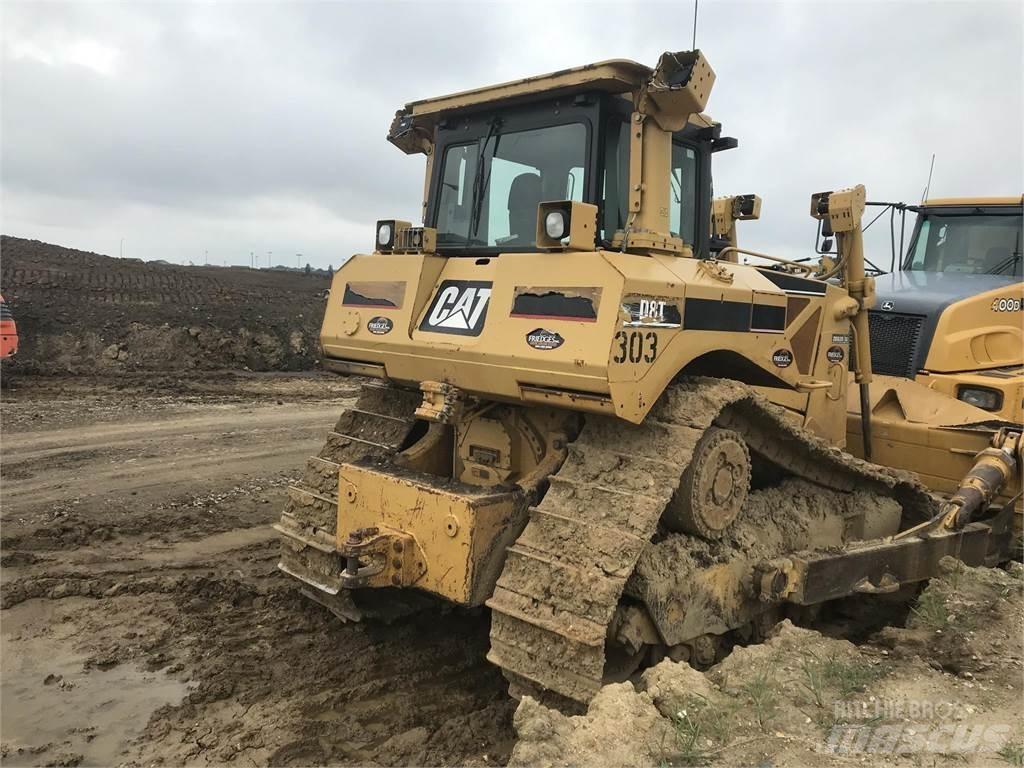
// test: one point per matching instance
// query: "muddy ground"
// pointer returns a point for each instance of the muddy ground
(144, 621)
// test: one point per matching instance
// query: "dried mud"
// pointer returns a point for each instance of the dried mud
(907, 696)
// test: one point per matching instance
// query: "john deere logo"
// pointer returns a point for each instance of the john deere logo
(782, 358)
(379, 325)
(539, 338)
(459, 307)
(888, 306)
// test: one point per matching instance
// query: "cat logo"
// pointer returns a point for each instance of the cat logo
(459, 307)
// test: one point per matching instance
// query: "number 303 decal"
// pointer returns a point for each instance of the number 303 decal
(636, 346)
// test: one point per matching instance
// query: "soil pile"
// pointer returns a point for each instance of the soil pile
(945, 687)
(84, 313)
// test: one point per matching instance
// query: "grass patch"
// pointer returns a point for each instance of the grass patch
(762, 691)
(814, 678)
(851, 676)
(930, 610)
(846, 676)
(1012, 752)
(696, 724)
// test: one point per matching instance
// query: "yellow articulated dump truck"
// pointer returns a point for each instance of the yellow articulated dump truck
(947, 338)
(577, 417)
(951, 316)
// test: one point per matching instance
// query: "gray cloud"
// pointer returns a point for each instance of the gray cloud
(241, 127)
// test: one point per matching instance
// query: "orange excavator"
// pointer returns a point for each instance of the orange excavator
(8, 332)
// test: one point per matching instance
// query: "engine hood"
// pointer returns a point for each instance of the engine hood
(928, 293)
(944, 321)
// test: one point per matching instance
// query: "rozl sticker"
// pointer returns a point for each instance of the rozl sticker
(379, 325)
(835, 354)
(539, 338)
(782, 358)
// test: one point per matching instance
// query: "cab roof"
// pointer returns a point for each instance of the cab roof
(946, 202)
(611, 76)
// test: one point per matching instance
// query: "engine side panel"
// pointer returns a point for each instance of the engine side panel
(597, 331)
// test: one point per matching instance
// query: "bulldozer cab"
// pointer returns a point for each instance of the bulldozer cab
(495, 166)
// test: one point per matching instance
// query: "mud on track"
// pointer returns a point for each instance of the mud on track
(144, 621)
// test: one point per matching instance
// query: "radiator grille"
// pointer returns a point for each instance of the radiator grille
(894, 343)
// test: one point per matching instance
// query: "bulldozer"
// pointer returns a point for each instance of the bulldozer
(624, 444)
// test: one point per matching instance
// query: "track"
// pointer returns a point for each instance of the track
(375, 427)
(566, 573)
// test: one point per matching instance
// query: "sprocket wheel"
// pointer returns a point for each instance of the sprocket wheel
(714, 486)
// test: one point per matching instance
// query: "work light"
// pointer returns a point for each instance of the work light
(384, 234)
(555, 225)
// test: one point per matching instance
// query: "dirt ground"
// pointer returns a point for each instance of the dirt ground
(87, 314)
(943, 690)
(144, 621)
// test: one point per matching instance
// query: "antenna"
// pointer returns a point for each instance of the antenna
(694, 48)
(931, 168)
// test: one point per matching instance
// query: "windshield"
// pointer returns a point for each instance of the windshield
(491, 187)
(979, 244)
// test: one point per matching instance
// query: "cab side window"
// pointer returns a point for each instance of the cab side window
(683, 193)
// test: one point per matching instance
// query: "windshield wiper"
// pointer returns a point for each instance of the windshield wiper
(480, 181)
(1010, 261)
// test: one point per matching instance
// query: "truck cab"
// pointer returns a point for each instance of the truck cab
(951, 316)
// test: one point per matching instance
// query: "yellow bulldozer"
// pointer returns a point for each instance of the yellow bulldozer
(577, 416)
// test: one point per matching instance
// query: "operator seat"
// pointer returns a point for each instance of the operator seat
(523, 198)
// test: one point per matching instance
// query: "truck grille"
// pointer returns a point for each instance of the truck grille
(894, 342)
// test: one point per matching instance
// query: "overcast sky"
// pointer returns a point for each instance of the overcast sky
(256, 126)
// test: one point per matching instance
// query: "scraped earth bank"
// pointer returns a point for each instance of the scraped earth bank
(85, 313)
(144, 620)
(945, 689)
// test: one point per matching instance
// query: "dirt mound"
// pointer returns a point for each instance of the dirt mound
(84, 313)
(802, 698)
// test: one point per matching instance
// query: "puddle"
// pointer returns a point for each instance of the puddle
(211, 545)
(46, 697)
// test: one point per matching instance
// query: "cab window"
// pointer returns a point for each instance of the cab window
(683, 193)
